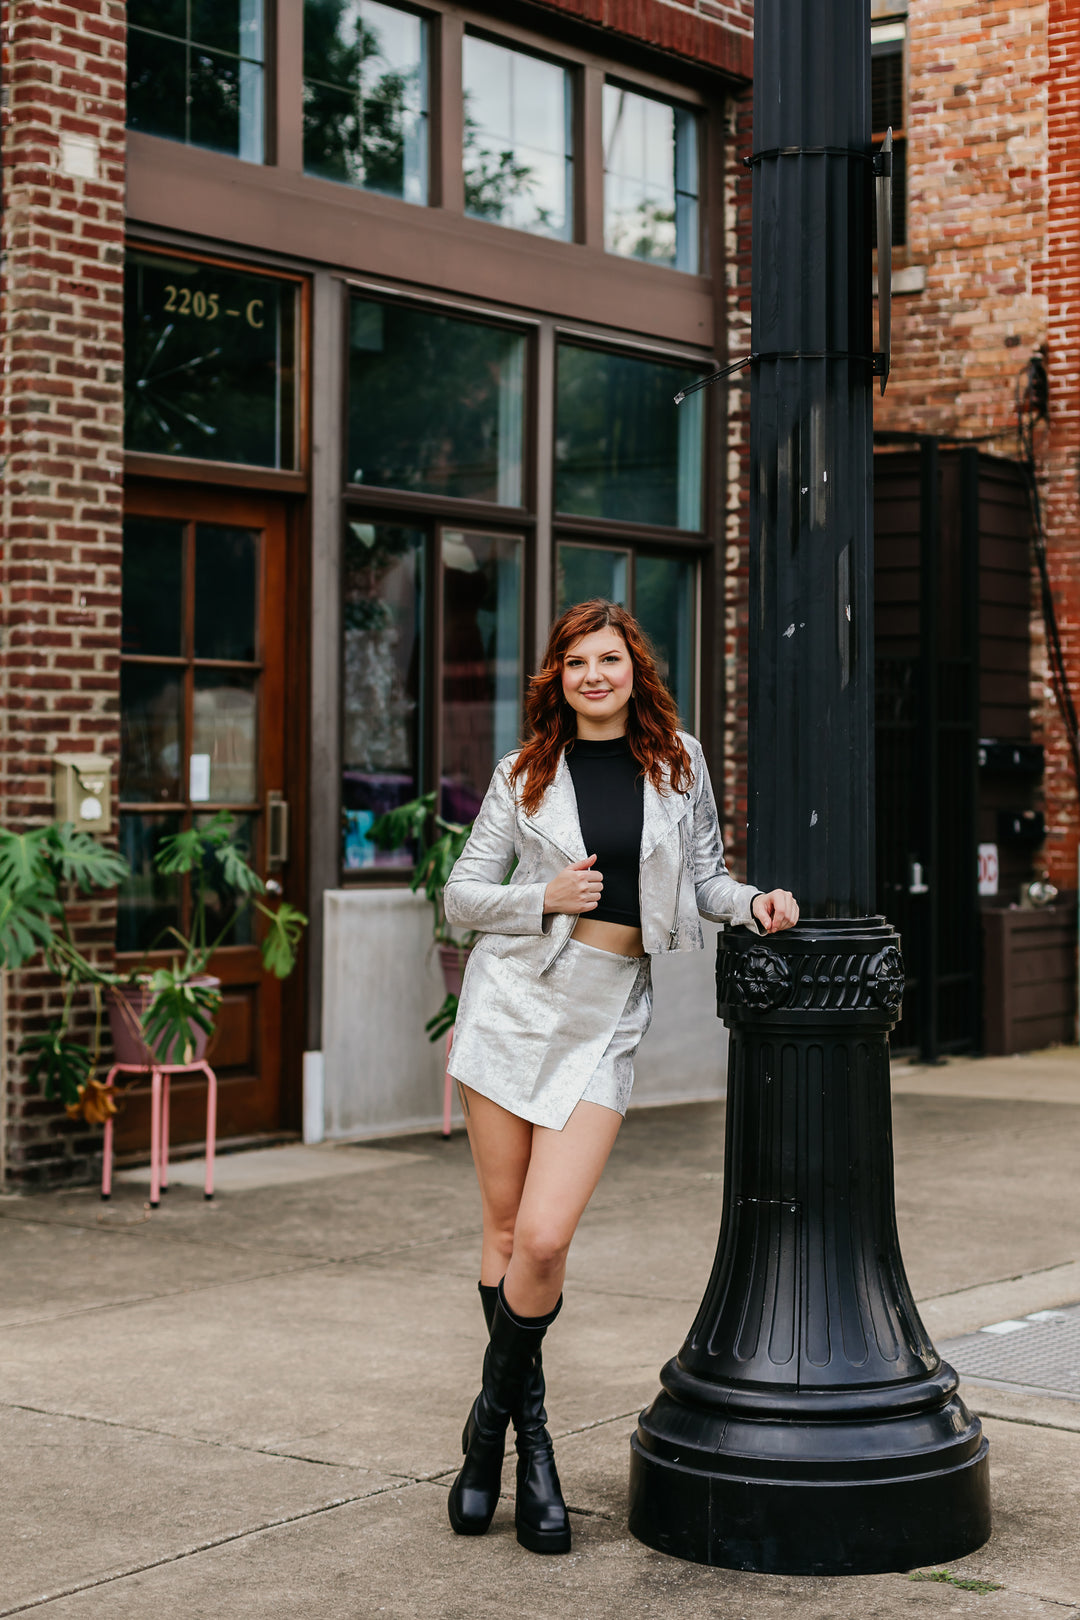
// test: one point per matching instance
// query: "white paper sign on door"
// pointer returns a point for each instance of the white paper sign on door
(199, 778)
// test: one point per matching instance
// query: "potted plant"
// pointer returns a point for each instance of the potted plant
(163, 1012)
(407, 825)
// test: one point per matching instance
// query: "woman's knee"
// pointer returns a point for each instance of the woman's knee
(543, 1247)
(499, 1234)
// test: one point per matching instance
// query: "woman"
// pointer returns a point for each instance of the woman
(609, 814)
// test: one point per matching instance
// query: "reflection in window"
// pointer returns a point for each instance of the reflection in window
(195, 73)
(151, 594)
(664, 605)
(382, 618)
(435, 404)
(481, 677)
(585, 572)
(151, 729)
(650, 179)
(226, 592)
(208, 362)
(518, 149)
(365, 96)
(223, 735)
(147, 902)
(623, 449)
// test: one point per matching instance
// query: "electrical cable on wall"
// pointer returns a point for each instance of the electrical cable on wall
(1032, 406)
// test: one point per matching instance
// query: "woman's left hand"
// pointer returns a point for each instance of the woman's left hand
(775, 911)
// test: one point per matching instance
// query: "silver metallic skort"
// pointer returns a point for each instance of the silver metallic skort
(538, 1048)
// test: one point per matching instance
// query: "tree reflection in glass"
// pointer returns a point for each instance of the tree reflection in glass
(435, 404)
(518, 151)
(382, 618)
(365, 96)
(650, 179)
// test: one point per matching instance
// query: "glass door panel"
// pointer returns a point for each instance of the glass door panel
(482, 577)
(588, 571)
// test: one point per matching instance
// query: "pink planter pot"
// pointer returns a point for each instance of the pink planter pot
(453, 959)
(127, 1007)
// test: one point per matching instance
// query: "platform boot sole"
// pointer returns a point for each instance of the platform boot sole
(470, 1525)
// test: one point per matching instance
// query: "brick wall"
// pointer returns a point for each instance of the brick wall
(61, 312)
(718, 33)
(976, 217)
(1057, 283)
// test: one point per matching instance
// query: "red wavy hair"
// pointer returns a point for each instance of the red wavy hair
(652, 718)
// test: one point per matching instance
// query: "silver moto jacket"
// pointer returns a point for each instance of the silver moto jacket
(682, 867)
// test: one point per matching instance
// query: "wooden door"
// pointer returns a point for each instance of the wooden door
(203, 728)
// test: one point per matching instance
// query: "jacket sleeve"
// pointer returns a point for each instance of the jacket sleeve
(476, 895)
(720, 897)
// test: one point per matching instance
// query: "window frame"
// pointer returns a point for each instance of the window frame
(898, 20)
(268, 68)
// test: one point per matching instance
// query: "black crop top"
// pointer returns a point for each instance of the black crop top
(611, 804)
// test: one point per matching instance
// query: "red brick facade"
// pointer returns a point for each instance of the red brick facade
(62, 419)
(718, 33)
(1057, 283)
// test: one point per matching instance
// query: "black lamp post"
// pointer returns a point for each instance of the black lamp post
(808, 1425)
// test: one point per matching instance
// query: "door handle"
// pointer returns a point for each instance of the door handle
(277, 831)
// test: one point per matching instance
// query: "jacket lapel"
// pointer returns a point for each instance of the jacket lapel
(662, 811)
(556, 817)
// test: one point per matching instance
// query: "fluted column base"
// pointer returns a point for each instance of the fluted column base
(808, 1425)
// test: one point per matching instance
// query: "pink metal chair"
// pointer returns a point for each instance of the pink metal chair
(448, 1087)
(160, 1074)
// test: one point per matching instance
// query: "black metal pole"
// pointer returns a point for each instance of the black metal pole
(808, 1425)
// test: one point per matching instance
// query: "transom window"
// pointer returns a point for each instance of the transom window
(650, 179)
(518, 139)
(195, 73)
(366, 96)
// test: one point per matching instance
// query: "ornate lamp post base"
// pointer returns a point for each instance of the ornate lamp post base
(808, 1426)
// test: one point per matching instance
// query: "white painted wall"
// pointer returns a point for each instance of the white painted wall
(382, 981)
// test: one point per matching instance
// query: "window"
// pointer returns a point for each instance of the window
(623, 449)
(887, 101)
(195, 73)
(660, 589)
(436, 404)
(650, 179)
(391, 684)
(366, 96)
(518, 150)
(209, 362)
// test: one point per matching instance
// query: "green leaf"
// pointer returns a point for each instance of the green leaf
(444, 1019)
(178, 1007)
(179, 852)
(404, 825)
(279, 947)
(59, 1066)
(25, 860)
(82, 860)
(25, 922)
(236, 872)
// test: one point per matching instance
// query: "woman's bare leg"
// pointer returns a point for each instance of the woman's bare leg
(563, 1170)
(501, 1146)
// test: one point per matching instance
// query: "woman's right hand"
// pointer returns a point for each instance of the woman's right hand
(576, 889)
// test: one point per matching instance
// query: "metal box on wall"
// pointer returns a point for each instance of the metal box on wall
(81, 790)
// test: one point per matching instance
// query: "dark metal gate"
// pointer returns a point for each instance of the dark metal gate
(927, 591)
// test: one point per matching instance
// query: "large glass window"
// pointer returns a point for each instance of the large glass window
(436, 404)
(195, 73)
(660, 589)
(623, 449)
(366, 96)
(887, 42)
(650, 179)
(209, 362)
(518, 147)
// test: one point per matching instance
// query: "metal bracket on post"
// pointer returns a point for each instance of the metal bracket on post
(883, 173)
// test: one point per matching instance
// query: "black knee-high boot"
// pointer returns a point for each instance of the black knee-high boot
(542, 1521)
(508, 1364)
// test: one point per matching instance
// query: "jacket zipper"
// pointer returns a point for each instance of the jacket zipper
(673, 931)
(570, 861)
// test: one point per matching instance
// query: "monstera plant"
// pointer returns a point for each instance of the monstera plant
(409, 826)
(42, 870)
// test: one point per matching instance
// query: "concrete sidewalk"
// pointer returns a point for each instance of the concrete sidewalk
(252, 1408)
